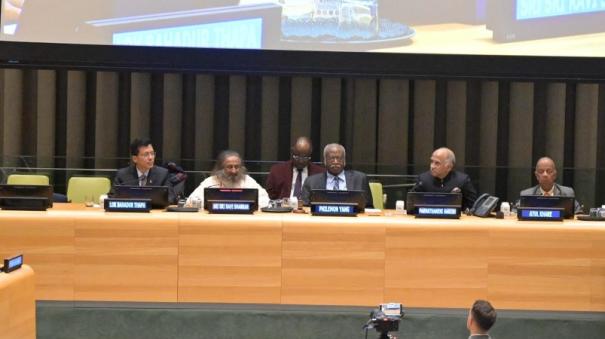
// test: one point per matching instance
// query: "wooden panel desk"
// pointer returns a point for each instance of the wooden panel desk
(301, 259)
(17, 306)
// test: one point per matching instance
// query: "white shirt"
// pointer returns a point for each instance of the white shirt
(305, 174)
(198, 194)
(550, 193)
(342, 183)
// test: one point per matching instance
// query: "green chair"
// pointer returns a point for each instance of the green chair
(27, 179)
(84, 189)
(376, 189)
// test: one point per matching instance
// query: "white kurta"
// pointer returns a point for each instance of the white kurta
(248, 182)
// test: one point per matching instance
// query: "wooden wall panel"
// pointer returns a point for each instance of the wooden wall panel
(424, 123)
(45, 118)
(586, 142)
(48, 247)
(300, 123)
(526, 255)
(204, 120)
(18, 304)
(425, 270)
(76, 118)
(488, 136)
(140, 105)
(327, 262)
(520, 136)
(331, 108)
(362, 150)
(172, 117)
(237, 114)
(269, 118)
(554, 124)
(11, 109)
(393, 125)
(106, 120)
(456, 120)
(229, 259)
(145, 253)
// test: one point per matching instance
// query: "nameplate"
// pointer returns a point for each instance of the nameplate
(540, 213)
(13, 263)
(334, 209)
(231, 206)
(437, 211)
(127, 205)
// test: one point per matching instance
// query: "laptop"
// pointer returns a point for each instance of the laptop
(157, 194)
(350, 196)
(26, 197)
(445, 199)
(215, 194)
(566, 203)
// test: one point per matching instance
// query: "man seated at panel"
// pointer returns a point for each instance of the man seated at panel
(229, 172)
(143, 171)
(285, 179)
(481, 318)
(336, 177)
(546, 174)
(443, 178)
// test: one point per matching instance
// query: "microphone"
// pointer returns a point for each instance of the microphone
(417, 187)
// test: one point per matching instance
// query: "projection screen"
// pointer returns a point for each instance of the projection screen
(474, 27)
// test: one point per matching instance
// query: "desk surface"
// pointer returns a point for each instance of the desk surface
(87, 254)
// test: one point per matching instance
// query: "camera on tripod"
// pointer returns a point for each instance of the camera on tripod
(385, 319)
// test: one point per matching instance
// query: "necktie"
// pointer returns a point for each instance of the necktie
(298, 184)
(142, 180)
(336, 181)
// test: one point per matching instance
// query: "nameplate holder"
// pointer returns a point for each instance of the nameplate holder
(127, 205)
(437, 211)
(541, 213)
(230, 206)
(25, 203)
(336, 209)
(11, 264)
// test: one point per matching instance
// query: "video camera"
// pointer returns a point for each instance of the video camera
(385, 319)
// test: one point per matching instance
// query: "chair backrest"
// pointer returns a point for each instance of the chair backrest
(27, 179)
(376, 189)
(84, 189)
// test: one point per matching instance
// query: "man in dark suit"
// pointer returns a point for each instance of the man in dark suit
(546, 174)
(336, 177)
(481, 318)
(443, 178)
(143, 171)
(285, 179)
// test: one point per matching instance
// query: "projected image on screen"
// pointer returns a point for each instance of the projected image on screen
(499, 27)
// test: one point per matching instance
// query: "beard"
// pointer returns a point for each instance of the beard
(229, 180)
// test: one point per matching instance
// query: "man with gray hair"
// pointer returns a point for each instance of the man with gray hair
(229, 172)
(336, 177)
(443, 178)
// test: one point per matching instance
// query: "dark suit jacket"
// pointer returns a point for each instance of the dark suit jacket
(356, 181)
(158, 176)
(455, 179)
(279, 181)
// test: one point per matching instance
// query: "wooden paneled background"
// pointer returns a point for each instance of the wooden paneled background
(498, 129)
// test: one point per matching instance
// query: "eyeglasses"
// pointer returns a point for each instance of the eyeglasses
(147, 155)
(300, 157)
